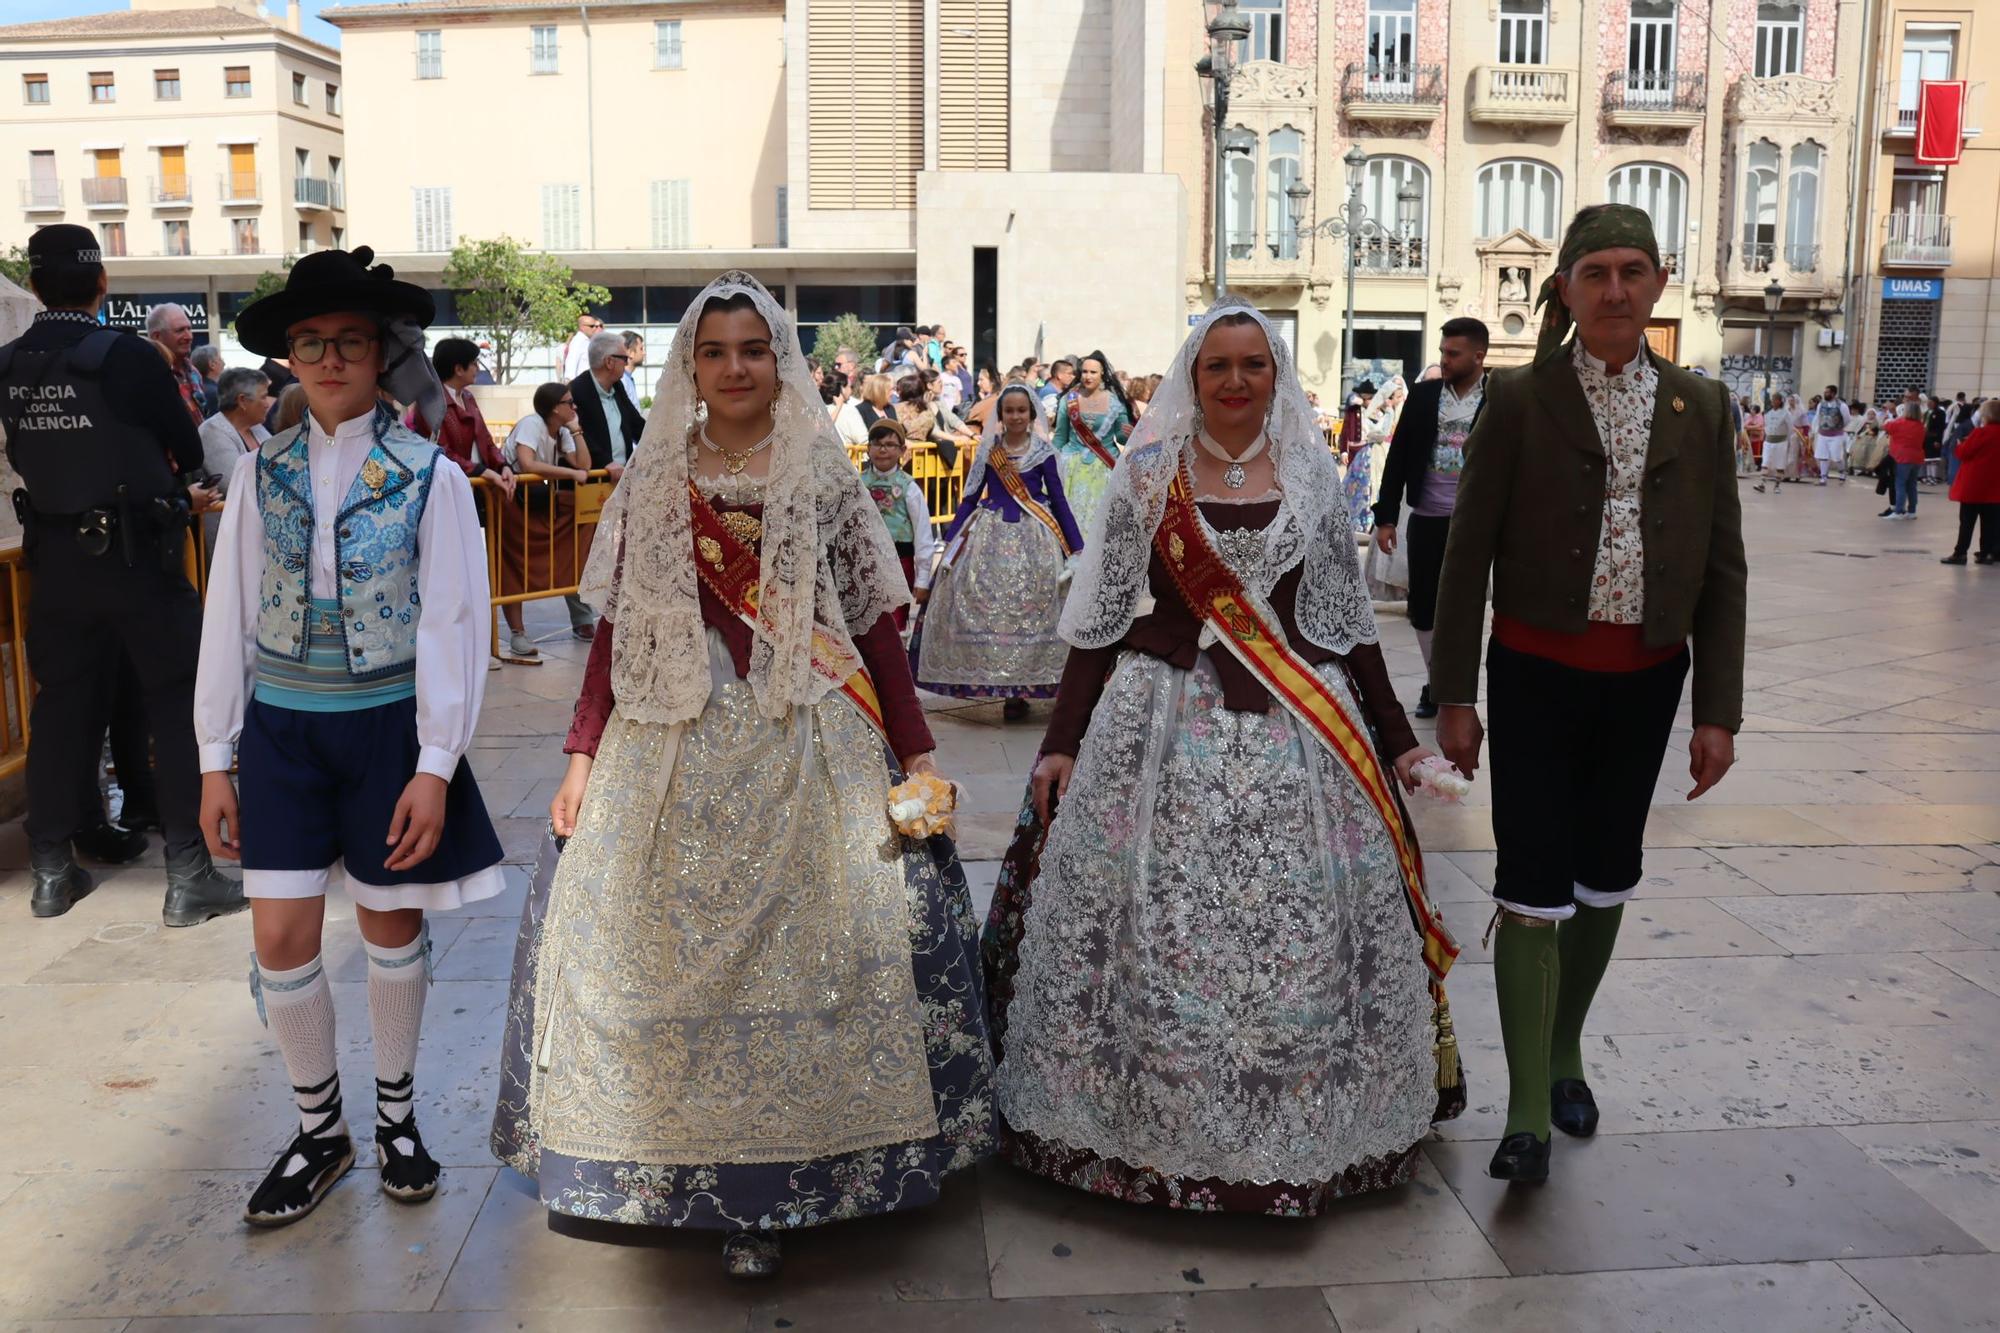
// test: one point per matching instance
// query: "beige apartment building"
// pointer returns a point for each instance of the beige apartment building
(1928, 316)
(1729, 121)
(198, 138)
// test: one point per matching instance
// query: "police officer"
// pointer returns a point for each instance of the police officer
(98, 432)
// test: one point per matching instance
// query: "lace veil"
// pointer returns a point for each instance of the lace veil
(1040, 444)
(1312, 523)
(826, 553)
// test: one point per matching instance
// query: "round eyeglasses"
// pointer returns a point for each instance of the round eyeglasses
(308, 350)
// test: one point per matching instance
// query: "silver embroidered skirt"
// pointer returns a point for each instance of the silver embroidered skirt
(989, 631)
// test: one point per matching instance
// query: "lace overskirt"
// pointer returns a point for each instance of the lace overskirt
(990, 629)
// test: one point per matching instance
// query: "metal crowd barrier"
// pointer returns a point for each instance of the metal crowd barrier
(943, 486)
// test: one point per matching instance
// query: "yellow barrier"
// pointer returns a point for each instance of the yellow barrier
(567, 514)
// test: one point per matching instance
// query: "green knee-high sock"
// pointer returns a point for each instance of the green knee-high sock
(1585, 942)
(1525, 973)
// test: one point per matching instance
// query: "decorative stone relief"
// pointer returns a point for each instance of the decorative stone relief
(1322, 293)
(1263, 83)
(1511, 271)
(1705, 293)
(1448, 285)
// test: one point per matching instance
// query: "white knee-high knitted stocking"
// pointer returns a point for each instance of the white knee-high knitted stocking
(398, 976)
(298, 1008)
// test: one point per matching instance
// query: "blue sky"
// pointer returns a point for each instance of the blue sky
(62, 9)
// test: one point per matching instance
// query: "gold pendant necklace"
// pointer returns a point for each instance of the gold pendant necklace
(735, 460)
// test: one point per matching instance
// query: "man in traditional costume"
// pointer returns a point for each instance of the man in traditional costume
(1599, 492)
(343, 661)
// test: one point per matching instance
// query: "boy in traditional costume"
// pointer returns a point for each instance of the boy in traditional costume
(343, 660)
(901, 502)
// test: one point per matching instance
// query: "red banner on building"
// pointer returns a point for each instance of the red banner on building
(1940, 122)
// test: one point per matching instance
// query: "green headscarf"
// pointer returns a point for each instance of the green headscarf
(1599, 227)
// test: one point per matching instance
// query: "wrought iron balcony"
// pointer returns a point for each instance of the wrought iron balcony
(1918, 240)
(1523, 95)
(1372, 91)
(172, 191)
(1669, 99)
(42, 196)
(1391, 254)
(104, 191)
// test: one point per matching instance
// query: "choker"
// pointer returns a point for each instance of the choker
(1233, 476)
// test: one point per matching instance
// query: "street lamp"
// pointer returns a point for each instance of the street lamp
(1225, 30)
(1774, 299)
(1354, 224)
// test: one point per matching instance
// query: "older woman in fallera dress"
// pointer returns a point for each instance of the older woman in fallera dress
(742, 1001)
(989, 623)
(1092, 422)
(1209, 985)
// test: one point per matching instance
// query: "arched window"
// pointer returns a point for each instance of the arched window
(1802, 207)
(1760, 207)
(1381, 185)
(1662, 192)
(1240, 199)
(1519, 192)
(1282, 153)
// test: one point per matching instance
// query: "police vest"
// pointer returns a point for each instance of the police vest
(71, 451)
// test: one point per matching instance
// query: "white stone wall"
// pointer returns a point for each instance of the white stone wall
(1138, 48)
(1063, 78)
(1093, 258)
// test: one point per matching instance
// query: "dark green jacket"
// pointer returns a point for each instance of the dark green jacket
(1530, 506)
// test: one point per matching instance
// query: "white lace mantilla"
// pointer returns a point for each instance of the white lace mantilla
(1111, 582)
(825, 552)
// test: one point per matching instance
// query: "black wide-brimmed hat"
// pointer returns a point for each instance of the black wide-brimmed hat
(326, 282)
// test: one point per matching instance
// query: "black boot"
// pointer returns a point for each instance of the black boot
(1014, 709)
(197, 891)
(59, 880)
(1425, 708)
(111, 843)
(1521, 1159)
(1572, 1108)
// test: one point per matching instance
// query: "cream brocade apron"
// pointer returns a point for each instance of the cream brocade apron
(728, 965)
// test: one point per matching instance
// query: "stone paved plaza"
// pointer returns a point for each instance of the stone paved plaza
(1797, 1050)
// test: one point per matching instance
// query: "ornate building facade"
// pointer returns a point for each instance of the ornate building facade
(1486, 124)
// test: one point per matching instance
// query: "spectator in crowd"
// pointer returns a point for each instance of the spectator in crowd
(483, 375)
(950, 392)
(635, 352)
(847, 365)
(1934, 424)
(463, 434)
(1977, 485)
(237, 428)
(874, 402)
(173, 333)
(1829, 434)
(1062, 374)
(1139, 388)
(1753, 431)
(576, 351)
(1962, 424)
(207, 362)
(290, 409)
(542, 551)
(1955, 411)
(1906, 449)
(959, 364)
(1868, 448)
(1780, 444)
(606, 416)
(845, 404)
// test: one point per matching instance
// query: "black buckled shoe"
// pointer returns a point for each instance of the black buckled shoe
(409, 1174)
(59, 880)
(197, 891)
(1571, 1107)
(1521, 1159)
(1426, 709)
(113, 844)
(309, 1166)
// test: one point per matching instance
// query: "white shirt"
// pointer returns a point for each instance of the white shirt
(451, 583)
(531, 431)
(848, 423)
(576, 354)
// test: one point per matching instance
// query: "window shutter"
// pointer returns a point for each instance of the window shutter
(671, 229)
(972, 85)
(865, 102)
(431, 220)
(562, 217)
(784, 216)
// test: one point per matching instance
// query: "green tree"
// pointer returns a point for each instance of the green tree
(14, 265)
(850, 331)
(517, 298)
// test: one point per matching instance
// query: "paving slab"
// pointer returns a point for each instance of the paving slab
(1795, 994)
(1302, 1309)
(1856, 869)
(1955, 1166)
(1708, 1197)
(1981, 969)
(1660, 928)
(1770, 1298)
(1863, 923)
(1939, 1294)
(1046, 1239)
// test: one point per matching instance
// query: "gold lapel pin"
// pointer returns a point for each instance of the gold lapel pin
(1680, 405)
(374, 477)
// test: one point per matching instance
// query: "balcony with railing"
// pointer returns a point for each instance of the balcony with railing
(104, 191)
(42, 195)
(1899, 121)
(1370, 91)
(239, 187)
(1658, 99)
(314, 193)
(171, 191)
(1523, 95)
(1748, 266)
(1917, 240)
(1389, 255)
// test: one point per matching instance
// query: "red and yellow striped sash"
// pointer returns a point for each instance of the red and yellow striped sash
(1088, 437)
(1010, 476)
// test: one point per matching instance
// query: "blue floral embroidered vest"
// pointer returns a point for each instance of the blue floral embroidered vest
(375, 549)
(891, 494)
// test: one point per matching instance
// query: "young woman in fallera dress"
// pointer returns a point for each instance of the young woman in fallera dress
(1092, 422)
(989, 625)
(1209, 985)
(742, 1001)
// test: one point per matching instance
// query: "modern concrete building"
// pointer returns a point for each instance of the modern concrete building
(200, 139)
(1730, 121)
(1927, 235)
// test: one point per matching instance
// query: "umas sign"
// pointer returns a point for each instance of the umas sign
(1913, 289)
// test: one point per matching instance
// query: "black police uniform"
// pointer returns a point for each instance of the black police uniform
(93, 418)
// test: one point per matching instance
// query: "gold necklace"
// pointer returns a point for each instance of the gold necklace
(735, 460)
